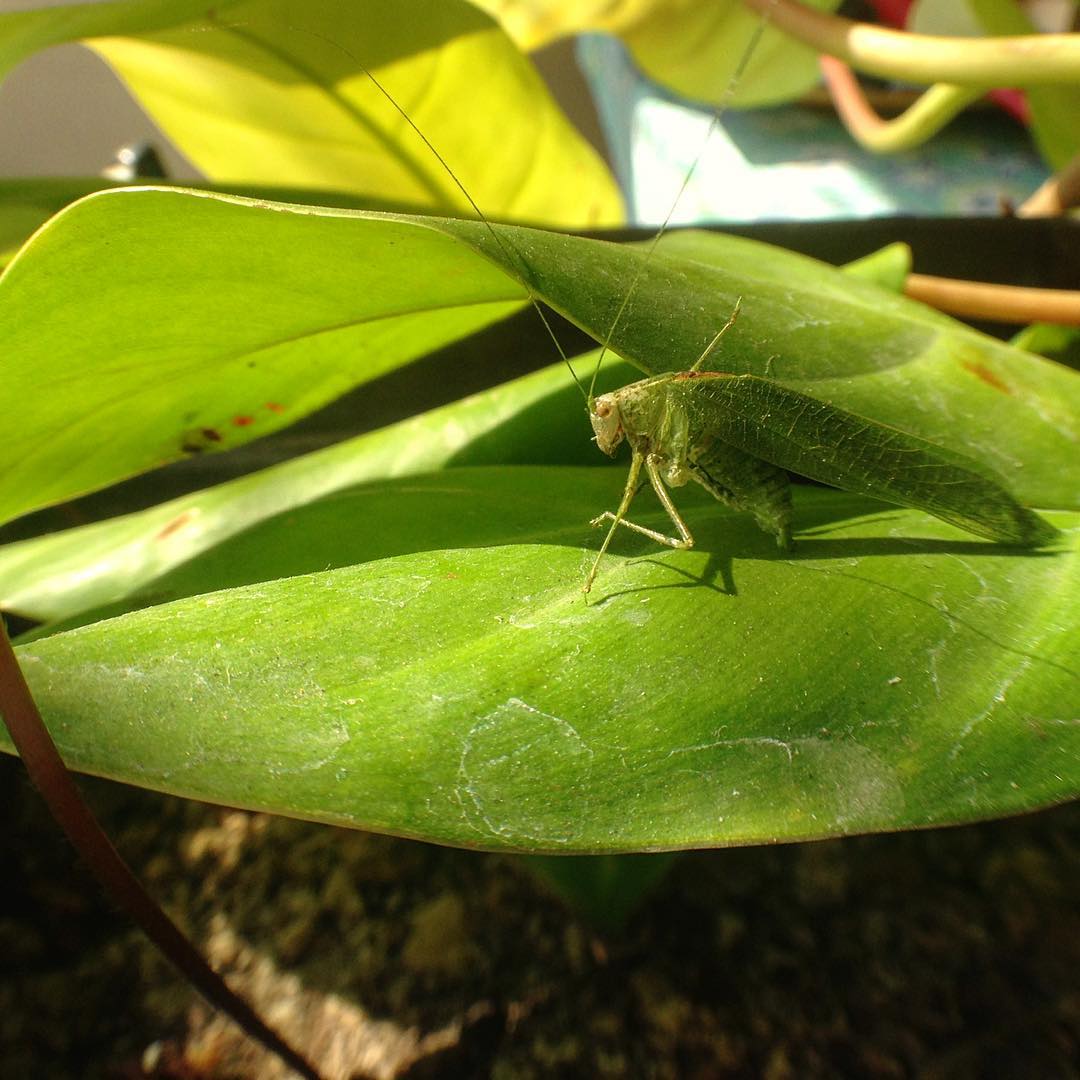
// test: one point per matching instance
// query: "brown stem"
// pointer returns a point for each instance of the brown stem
(52, 778)
(921, 120)
(996, 303)
(1060, 193)
(856, 113)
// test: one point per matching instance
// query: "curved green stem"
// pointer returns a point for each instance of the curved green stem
(1025, 60)
(918, 123)
(1054, 109)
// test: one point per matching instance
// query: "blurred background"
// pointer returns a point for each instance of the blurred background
(788, 162)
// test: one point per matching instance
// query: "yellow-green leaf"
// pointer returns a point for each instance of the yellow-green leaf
(694, 47)
(269, 92)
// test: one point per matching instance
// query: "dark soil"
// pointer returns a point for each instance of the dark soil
(943, 954)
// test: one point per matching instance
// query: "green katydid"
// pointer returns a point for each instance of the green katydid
(737, 435)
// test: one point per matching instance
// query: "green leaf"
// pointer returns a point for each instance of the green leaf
(275, 92)
(462, 690)
(260, 312)
(888, 267)
(693, 48)
(537, 419)
(22, 33)
(204, 322)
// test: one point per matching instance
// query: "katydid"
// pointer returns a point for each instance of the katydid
(736, 435)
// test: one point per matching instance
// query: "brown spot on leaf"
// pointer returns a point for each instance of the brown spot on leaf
(176, 524)
(274, 407)
(243, 421)
(199, 439)
(987, 376)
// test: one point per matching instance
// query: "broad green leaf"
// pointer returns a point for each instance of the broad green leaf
(204, 322)
(462, 690)
(887, 267)
(694, 48)
(271, 91)
(537, 419)
(263, 311)
(22, 33)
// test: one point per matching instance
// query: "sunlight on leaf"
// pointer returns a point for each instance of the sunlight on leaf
(149, 361)
(259, 92)
(463, 691)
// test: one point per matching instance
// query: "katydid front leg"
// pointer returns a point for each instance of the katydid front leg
(652, 468)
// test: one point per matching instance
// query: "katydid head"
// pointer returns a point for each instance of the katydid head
(606, 420)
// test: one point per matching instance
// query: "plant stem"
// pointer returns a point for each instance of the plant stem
(1058, 194)
(996, 303)
(1025, 60)
(71, 812)
(919, 122)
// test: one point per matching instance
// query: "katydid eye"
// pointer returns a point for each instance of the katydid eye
(603, 411)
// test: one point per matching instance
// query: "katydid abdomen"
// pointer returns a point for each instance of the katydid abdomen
(745, 482)
(802, 434)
